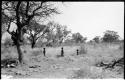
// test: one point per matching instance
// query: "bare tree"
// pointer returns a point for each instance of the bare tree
(36, 31)
(21, 13)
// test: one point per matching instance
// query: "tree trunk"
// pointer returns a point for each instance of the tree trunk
(18, 42)
(33, 44)
(20, 54)
(1, 37)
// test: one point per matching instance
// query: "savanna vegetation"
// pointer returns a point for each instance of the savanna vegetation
(51, 50)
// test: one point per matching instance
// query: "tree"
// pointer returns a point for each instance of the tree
(57, 33)
(78, 38)
(96, 39)
(51, 35)
(110, 36)
(21, 13)
(62, 33)
(35, 30)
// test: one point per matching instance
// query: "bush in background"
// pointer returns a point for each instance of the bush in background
(121, 47)
(83, 49)
(110, 36)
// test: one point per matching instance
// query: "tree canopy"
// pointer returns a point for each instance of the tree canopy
(110, 36)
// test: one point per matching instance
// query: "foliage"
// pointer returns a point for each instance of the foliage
(51, 38)
(4, 23)
(57, 33)
(21, 13)
(62, 33)
(97, 39)
(110, 36)
(78, 38)
(35, 30)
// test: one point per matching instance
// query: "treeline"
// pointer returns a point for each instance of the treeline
(54, 34)
(108, 37)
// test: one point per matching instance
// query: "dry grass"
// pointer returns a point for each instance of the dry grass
(121, 47)
(91, 72)
(83, 49)
(84, 63)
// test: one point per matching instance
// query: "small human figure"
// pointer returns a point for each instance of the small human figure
(77, 52)
(62, 52)
(44, 52)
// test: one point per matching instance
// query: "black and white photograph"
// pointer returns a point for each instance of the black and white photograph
(62, 40)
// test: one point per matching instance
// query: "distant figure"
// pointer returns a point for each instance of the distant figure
(77, 52)
(44, 52)
(62, 52)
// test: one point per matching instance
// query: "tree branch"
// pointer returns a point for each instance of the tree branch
(44, 31)
(17, 13)
(38, 7)
(27, 8)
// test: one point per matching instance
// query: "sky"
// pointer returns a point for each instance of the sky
(91, 18)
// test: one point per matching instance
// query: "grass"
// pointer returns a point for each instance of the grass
(83, 49)
(88, 72)
(94, 73)
(85, 62)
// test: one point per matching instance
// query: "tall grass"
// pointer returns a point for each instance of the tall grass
(121, 47)
(36, 53)
(83, 49)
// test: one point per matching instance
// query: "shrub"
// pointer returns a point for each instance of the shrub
(83, 50)
(121, 47)
(36, 52)
(110, 36)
